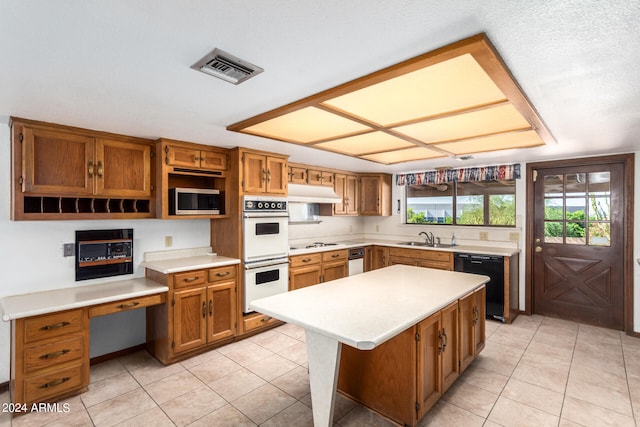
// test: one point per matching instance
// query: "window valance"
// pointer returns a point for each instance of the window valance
(483, 173)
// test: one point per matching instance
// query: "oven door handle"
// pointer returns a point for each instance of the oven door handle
(266, 264)
(266, 215)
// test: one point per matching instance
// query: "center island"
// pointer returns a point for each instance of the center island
(393, 339)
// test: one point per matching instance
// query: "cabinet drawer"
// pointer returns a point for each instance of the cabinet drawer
(43, 356)
(255, 322)
(222, 273)
(41, 387)
(52, 325)
(425, 254)
(442, 265)
(127, 304)
(306, 259)
(213, 160)
(189, 278)
(334, 255)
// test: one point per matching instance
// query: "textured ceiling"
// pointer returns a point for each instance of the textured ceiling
(124, 66)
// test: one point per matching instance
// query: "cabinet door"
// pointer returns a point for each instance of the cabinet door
(314, 177)
(379, 257)
(328, 178)
(479, 334)
(340, 184)
(351, 195)
(467, 326)
(334, 270)
(254, 173)
(213, 160)
(301, 277)
(297, 175)
(123, 169)
(57, 162)
(221, 308)
(429, 366)
(369, 195)
(189, 319)
(450, 352)
(179, 156)
(276, 175)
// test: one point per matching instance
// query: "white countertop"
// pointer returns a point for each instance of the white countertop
(25, 305)
(175, 265)
(367, 309)
(346, 244)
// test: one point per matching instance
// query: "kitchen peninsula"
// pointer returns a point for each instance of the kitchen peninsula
(424, 322)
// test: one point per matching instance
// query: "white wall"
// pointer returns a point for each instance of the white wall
(31, 260)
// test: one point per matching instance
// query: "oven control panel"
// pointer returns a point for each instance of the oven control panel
(264, 204)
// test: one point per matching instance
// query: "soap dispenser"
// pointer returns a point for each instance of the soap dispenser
(453, 239)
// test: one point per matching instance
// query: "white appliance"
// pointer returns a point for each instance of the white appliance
(356, 261)
(265, 247)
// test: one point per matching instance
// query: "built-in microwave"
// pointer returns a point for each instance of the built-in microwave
(194, 201)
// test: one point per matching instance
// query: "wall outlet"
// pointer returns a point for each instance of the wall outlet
(68, 249)
(168, 241)
(514, 236)
(484, 235)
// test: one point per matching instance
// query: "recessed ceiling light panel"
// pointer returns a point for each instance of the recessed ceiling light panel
(227, 67)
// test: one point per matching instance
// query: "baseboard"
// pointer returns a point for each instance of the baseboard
(4, 387)
(116, 354)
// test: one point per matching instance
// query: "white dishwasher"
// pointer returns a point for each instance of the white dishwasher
(356, 261)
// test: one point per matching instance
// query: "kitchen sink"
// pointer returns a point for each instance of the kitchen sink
(423, 244)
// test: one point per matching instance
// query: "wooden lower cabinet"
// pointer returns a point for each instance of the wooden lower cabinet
(421, 257)
(50, 356)
(472, 326)
(375, 257)
(311, 269)
(201, 311)
(404, 377)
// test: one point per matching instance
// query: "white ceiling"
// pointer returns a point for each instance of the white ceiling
(124, 65)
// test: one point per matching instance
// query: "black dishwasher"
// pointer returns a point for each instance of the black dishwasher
(488, 265)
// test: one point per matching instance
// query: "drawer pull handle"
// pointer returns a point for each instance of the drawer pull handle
(265, 319)
(190, 279)
(306, 260)
(55, 383)
(335, 256)
(131, 304)
(56, 326)
(224, 273)
(54, 355)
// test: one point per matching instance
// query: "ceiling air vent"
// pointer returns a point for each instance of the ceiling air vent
(227, 67)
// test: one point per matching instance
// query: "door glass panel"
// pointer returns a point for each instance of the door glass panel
(576, 208)
(553, 208)
(600, 208)
(599, 233)
(553, 184)
(576, 184)
(576, 232)
(553, 231)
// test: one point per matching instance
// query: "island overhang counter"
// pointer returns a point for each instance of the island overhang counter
(364, 312)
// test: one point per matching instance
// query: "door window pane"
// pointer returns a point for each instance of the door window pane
(553, 231)
(553, 185)
(553, 208)
(599, 233)
(576, 232)
(576, 184)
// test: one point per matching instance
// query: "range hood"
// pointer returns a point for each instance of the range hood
(312, 194)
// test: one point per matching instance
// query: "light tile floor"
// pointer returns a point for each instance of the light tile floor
(536, 372)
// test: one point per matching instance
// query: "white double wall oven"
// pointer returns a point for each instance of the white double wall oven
(265, 244)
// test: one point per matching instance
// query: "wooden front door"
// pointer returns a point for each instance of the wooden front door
(578, 242)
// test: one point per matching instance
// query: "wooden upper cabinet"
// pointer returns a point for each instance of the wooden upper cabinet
(375, 194)
(66, 163)
(320, 177)
(57, 162)
(346, 187)
(122, 169)
(297, 175)
(194, 158)
(264, 174)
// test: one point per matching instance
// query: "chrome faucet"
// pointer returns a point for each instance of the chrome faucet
(428, 238)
